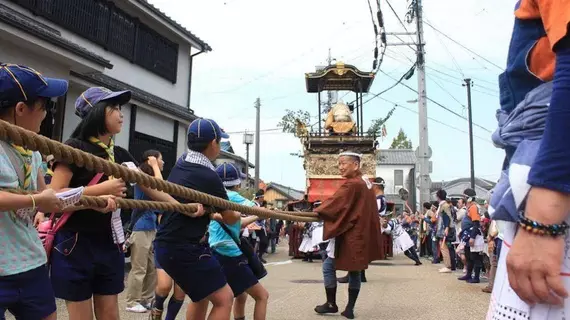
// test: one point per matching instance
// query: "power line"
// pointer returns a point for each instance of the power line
(441, 105)
(434, 120)
(444, 90)
(464, 47)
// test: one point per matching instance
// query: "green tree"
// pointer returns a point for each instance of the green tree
(291, 118)
(247, 193)
(401, 141)
(376, 127)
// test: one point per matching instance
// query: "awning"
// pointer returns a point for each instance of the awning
(322, 189)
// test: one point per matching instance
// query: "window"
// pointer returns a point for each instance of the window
(103, 23)
(398, 178)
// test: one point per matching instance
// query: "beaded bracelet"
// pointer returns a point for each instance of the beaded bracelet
(542, 229)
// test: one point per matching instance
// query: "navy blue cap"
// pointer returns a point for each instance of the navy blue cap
(94, 95)
(229, 174)
(205, 130)
(20, 84)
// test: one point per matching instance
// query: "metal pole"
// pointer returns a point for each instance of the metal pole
(247, 162)
(319, 97)
(357, 107)
(257, 131)
(423, 154)
(468, 84)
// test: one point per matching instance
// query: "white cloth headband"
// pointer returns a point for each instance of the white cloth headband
(351, 154)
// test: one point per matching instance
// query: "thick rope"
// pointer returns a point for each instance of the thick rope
(70, 155)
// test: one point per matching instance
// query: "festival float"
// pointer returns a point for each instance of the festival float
(342, 130)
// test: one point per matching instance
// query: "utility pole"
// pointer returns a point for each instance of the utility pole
(247, 140)
(424, 151)
(257, 131)
(469, 84)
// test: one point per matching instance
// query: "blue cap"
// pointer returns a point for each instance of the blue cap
(229, 174)
(90, 97)
(20, 83)
(205, 130)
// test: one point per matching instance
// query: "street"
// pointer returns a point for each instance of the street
(396, 289)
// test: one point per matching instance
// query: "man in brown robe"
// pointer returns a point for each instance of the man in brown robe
(352, 225)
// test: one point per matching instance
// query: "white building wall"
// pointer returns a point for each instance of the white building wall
(70, 119)
(12, 53)
(128, 72)
(387, 173)
(154, 125)
(182, 139)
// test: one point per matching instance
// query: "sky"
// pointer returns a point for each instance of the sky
(263, 48)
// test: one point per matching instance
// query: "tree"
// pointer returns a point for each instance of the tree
(292, 118)
(376, 127)
(247, 193)
(401, 141)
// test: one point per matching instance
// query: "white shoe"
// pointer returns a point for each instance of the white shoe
(444, 270)
(137, 308)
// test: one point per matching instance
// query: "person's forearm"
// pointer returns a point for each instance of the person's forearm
(230, 216)
(249, 220)
(158, 195)
(11, 201)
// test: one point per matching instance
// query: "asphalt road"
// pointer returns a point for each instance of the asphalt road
(395, 290)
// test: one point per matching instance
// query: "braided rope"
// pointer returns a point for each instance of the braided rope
(70, 155)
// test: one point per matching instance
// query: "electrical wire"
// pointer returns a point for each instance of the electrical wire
(441, 105)
(463, 46)
(397, 105)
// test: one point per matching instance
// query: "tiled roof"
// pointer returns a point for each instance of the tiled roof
(290, 193)
(234, 156)
(24, 23)
(483, 183)
(204, 46)
(226, 146)
(396, 156)
(139, 94)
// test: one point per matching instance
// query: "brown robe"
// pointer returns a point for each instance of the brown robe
(351, 216)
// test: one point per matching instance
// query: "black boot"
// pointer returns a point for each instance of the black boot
(476, 279)
(349, 310)
(363, 276)
(330, 306)
(343, 279)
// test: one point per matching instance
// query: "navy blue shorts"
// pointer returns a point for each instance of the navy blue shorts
(83, 265)
(156, 263)
(237, 272)
(27, 295)
(192, 267)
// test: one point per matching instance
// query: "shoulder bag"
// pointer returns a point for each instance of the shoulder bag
(253, 260)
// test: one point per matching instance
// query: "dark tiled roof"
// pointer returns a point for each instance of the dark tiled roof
(483, 183)
(290, 193)
(24, 23)
(231, 155)
(140, 95)
(204, 46)
(227, 146)
(396, 156)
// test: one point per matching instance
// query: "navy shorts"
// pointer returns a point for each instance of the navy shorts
(156, 263)
(192, 267)
(237, 272)
(27, 295)
(83, 265)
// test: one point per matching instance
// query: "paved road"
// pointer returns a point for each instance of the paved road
(395, 290)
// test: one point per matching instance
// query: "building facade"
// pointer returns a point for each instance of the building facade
(121, 45)
(397, 167)
(279, 195)
(455, 188)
